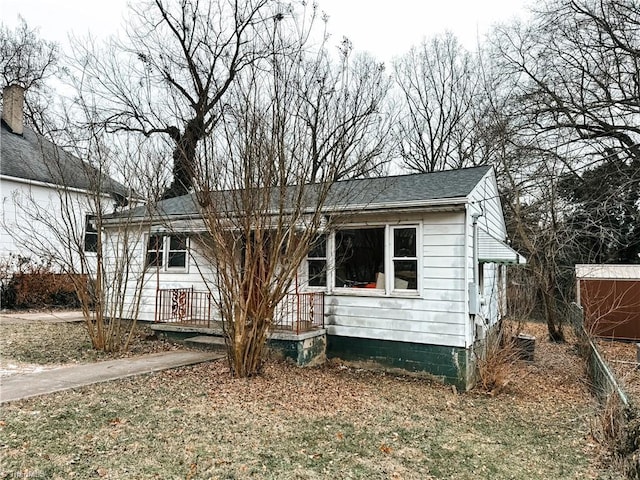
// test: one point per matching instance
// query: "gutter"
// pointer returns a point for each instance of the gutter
(397, 207)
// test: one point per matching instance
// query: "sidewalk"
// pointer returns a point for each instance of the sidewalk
(61, 316)
(18, 387)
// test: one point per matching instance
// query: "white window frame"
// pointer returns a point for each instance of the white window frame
(326, 263)
(389, 288)
(90, 230)
(165, 251)
(391, 282)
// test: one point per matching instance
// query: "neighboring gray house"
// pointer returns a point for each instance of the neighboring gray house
(414, 271)
(44, 190)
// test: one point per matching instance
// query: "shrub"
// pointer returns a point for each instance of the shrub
(495, 361)
(26, 284)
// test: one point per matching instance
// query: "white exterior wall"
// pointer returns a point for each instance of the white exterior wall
(485, 200)
(435, 315)
(145, 283)
(21, 233)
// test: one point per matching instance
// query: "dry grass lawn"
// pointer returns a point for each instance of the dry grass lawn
(329, 422)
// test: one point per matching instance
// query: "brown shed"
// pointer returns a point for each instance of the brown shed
(610, 297)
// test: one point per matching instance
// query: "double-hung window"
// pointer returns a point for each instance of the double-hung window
(167, 252)
(317, 262)
(405, 259)
(90, 234)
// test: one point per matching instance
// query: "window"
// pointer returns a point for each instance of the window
(405, 260)
(90, 234)
(177, 251)
(167, 251)
(384, 258)
(360, 258)
(317, 262)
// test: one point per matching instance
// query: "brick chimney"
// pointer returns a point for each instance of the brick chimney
(12, 108)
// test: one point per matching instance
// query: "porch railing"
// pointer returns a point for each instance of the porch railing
(300, 312)
(185, 306)
(296, 312)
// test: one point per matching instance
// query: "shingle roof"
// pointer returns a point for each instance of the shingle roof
(359, 194)
(32, 157)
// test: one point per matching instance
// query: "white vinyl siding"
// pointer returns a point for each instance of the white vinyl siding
(438, 317)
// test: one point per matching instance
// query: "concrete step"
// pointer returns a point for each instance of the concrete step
(206, 342)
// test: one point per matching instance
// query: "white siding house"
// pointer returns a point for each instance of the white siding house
(47, 194)
(410, 268)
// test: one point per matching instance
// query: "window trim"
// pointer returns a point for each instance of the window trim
(389, 290)
(391, 283)
(165, 252)
(309, 258)
(90, 230)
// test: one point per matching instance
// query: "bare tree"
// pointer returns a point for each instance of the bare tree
(438, 83)
(63, 224)
(262, 194)
(343, 105)
(562, 96)
(170, 74)
(29, 61)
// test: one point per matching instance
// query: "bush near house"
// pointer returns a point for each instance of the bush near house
(30, 285)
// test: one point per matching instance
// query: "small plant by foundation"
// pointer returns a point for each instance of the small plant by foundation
(497, 358)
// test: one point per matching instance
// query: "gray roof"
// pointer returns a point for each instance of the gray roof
(30, 156)
(360, 194)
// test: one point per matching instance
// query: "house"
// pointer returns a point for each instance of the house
(610, 298)
(410, 271)
(48, 195)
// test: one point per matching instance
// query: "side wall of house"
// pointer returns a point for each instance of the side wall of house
(485, 201)
(140, 292)
(39, 222)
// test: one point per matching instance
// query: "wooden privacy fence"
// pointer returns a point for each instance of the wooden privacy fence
(296, 312)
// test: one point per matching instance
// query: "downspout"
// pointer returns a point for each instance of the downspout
(476, 265)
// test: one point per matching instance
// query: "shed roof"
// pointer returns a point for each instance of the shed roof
(32, 157)
(361, 194)
(608, 272)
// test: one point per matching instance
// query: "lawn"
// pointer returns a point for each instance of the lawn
(327, 422)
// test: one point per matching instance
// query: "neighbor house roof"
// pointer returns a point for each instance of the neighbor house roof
(424, 189)
(32, 157)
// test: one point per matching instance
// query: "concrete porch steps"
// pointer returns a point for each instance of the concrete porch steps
(305, 348)
(206, 342)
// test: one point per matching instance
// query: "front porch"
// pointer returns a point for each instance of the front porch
(296, 313)
(297, 333)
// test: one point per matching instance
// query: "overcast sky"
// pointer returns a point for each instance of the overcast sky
(386, 28)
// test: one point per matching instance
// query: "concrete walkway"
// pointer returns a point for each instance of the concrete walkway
(61, 316)
(18, 387)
